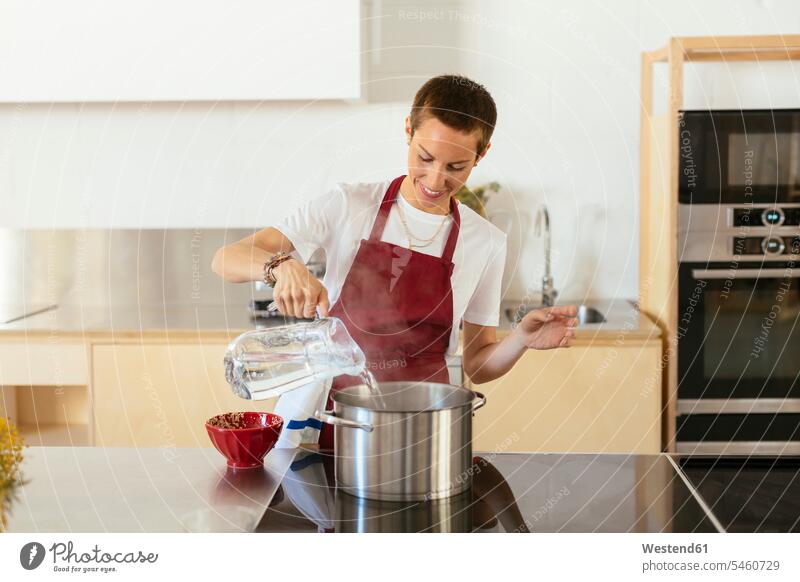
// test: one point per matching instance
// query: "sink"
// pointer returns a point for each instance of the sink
(586, 314)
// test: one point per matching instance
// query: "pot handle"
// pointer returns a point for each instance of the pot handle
(479, 402)
(329, 417)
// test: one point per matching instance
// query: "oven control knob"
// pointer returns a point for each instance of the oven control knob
(772, 217)
(772, 245)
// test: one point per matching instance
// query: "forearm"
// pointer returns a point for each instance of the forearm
(494, 359)
(238, 263)
(486, 359)
(244, 260)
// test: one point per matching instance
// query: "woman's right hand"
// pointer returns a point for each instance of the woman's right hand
(297, 292)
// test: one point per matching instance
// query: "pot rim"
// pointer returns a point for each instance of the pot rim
(338, 396)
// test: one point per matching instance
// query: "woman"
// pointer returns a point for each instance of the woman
(405, 262)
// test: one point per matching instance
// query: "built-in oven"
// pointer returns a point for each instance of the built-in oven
(739, 156)
(738, 330)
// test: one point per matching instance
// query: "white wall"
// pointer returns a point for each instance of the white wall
(565, 76)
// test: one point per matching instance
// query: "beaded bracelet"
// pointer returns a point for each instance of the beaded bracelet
(269, 266)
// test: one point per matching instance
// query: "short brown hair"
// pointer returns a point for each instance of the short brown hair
(458, 102)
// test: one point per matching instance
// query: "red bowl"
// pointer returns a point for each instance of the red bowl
(246, 447)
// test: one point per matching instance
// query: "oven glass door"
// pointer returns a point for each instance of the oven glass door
(739, 157)
(739, 331)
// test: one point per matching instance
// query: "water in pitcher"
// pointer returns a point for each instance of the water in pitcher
(267, 363)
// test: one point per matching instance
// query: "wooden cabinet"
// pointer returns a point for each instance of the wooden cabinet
(601, 395)
(44, 389)
(603, 398)
(52, 362)
(195, 50)
(160, 395)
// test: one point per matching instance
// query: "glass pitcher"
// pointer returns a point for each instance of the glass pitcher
(266, 363)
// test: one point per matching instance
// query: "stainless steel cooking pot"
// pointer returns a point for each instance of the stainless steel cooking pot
(359, 515)
(403, 441)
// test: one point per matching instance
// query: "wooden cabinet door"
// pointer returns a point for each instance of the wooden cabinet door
(160, 395)
(600, 399)
(49, 362)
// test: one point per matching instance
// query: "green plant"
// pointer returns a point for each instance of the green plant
(477, 198)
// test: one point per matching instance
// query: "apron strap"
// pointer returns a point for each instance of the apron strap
(383, 211)
(386, 206)
(452, 238)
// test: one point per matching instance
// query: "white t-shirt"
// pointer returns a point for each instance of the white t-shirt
(338, 220)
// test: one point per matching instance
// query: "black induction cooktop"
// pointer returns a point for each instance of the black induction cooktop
(510, 493)
(748, 494)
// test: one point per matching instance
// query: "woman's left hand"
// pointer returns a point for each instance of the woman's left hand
(548, 328)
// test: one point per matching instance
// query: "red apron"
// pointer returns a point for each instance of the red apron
(397, 305)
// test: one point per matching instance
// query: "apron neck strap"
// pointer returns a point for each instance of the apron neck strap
(452, 238)
(386, 206)
(383, 211)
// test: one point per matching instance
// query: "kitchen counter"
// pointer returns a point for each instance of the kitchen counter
(621, 317)
(91, 320)
(71, 323)
(90, 489)
(86, 489)
(622, 321)
(510, 493)
(748, 494)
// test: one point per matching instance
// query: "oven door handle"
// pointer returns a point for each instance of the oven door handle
(745, 273)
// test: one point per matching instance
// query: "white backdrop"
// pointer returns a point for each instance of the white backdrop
(565, 76)
(148, 50)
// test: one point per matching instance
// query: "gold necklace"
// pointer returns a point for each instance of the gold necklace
(409, 236)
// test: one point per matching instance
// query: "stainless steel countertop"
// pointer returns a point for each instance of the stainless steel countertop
(95, 489)
(85, 489)
(110, 319)
(138, 281)
(77, 322)
(622, 318)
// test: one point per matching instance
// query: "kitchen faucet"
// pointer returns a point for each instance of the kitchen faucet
(549, 293)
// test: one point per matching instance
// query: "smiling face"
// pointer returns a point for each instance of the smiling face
(440, 159)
